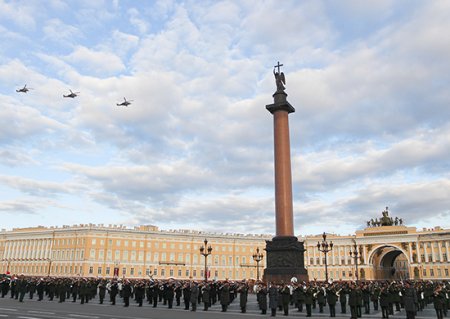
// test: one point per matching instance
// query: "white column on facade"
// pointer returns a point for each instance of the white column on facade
(339, 255)
(419, 256)
(314, 255)
(365, 254)
(441, 259)
(425, 252)
(346, 252)
(446, 251)
(433, 257)
(410, 252)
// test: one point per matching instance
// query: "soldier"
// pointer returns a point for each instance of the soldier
(285, 298)
(206, 289)
(366, 298)
(40, 286)
(273, 299)
(309, 295)
(194, 296)
(155, 293)
(126, 292)
(343, 298)
(332, 299)
(375, 294)
(140, 292)
(186, 295)
(353, 300)
(169, 294)
(31, 287)
(384, 301)
(83, 291)
(439, 301)
(225, 296)
(410, 300)
(178, 293)
(101, 290)
(22, 285)
(5, 286)
(320, 298)
(243, 296)
(114, 290)
(262, 298)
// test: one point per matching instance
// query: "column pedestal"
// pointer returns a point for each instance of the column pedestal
(285, 259)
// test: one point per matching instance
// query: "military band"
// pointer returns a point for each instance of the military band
(391, 296)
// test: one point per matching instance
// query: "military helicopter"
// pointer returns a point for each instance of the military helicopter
(125, 102)
(72, 94)
(24, 89)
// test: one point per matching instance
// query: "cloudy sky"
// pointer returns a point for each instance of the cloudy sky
(369, 81)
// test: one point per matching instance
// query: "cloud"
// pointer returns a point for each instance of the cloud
(21, 206)
(135, 19)
(21, 15)
(15, 157)
(58, 31)
(95, 61)
(36, 187)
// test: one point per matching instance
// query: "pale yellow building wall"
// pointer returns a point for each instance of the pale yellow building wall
(95, 250)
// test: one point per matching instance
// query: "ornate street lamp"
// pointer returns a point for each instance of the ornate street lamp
(257, 257)
(325, 247)
(206, 251)
(355, 255)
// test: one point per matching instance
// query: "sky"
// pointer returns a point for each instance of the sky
(369, 81)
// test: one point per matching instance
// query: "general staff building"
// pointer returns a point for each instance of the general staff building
(383, 252)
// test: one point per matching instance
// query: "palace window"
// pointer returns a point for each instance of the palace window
(343, 274)
(432, 272)
(187, 272)
(155, 272)
(439, 271)
(163, 272)
(94, 241)
(131, 271)
(99, 270)
(430, 257)
(107, 270)
(424, 272)
(124, 271)
(194, 273)
(446, 272)
(179, 272)
(133, 244)
(444, 256)
(125, 243)
(91, 269)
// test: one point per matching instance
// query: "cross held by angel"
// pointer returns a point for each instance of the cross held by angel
(280, 79)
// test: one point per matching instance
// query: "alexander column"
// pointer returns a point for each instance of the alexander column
(285, 254)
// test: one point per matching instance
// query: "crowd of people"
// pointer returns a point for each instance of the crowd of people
(353, 298)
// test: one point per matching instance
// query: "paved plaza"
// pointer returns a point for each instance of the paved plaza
(33, 309)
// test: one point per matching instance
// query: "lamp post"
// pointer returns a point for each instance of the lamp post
(257, 257)
(325, 247)
(206, 251)
(355, 255)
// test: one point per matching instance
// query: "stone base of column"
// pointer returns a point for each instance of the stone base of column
(285, 259)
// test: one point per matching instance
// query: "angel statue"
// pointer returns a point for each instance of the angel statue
(280, 80)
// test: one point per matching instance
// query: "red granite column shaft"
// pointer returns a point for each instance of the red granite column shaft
(283, 179)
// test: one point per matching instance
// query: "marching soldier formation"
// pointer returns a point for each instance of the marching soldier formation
(354, 298)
